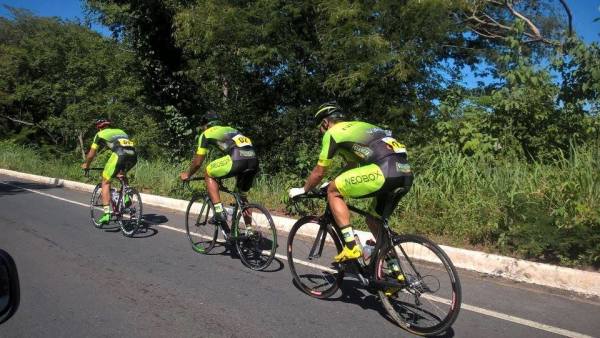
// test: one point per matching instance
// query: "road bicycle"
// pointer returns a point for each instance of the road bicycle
(125, 203)
(412, 276)
(249, 228)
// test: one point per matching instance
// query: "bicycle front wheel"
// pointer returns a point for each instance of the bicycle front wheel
(257, 237)
(429, 300)
(96, 206)
(131, 217)
(201, 233)
(311, 248)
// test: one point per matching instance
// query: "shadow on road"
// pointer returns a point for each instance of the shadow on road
(146, 230)
(223, 248)
(154, 219)
(148, 220)
(276, 265)
(353, 292)
(8, 188)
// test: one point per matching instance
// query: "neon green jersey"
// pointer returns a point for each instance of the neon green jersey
(225, 138)
(114, 139)
(358, 142)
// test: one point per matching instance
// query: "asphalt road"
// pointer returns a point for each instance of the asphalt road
(79, 281)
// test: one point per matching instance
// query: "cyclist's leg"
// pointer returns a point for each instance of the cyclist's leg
(397, 175)
(110, 168)
(398, 181)
(354, 183)
(126, 162)
(219, 168)
(248, 169)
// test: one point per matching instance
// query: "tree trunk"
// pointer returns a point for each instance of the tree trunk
(80, 138)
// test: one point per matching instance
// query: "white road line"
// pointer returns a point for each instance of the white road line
(525, 322)
(476, 309)
(48, 195)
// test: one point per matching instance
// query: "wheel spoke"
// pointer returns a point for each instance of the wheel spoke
(430, 301)
(311, 248)
(257, 243)
(201, 233)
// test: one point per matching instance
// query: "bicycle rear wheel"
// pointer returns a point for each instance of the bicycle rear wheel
(96, 206)
(257, 237)
(310, 250)
(429, 300)
(131, 216)
(201, 233)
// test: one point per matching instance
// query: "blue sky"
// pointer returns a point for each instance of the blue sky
(584, 12)
(67, 9)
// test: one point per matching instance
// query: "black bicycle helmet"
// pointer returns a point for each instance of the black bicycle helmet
(329, 109)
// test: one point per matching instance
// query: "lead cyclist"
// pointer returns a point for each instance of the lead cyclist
(378, 163)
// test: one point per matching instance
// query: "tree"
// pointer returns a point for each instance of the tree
(58, 76)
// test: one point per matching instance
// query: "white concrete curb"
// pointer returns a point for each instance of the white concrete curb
(584, 282)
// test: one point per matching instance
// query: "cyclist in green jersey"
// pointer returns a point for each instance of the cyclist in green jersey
(377, 165)
(122, 159)
(240, 161)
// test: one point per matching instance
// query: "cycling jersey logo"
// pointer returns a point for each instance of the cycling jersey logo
(361, 151)
(222, 145)
(125, 142)
(220, 163)
(374, 130)
(348, 126)
(402, 167)
(362, 178)
(247, 153)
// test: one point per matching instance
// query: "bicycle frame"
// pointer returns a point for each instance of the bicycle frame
(365, 273)
(116, 205)
(239, 203)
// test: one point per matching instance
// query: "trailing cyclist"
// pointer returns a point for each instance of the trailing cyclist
(377, 165)
(122, 159)
(240, 162)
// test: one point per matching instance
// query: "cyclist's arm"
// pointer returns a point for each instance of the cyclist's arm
(315, 177)
(199, 156)
(196, 164)
(92, 153)
(89, 158)
(328, 148)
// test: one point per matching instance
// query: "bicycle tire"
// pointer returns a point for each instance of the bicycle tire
(316, 276)
(256, 246)
(131, 217)
(202, 234)
(425, 269)
(96, 206)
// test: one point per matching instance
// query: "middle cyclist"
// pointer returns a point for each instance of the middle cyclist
(383, 169)
(240, 161)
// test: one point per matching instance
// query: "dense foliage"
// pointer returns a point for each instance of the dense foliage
(266, 64)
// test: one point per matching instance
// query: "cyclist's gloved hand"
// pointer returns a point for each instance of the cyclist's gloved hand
(296, 192)
(184, 176)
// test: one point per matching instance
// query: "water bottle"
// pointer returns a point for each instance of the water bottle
(115, 195)
(368, 249)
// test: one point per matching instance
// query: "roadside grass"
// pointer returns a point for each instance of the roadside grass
(538, 211)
